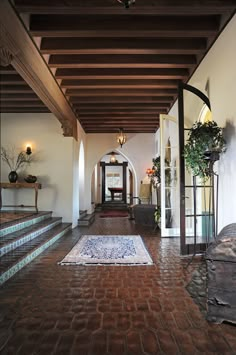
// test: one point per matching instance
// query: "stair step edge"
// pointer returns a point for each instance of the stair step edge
(24, 222)
(28, 235)
(33, 253)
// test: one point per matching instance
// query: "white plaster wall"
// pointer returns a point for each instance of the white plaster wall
(54, 166)
(138, 150)
(220, 69)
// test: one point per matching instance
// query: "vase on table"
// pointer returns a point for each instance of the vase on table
(13, 176)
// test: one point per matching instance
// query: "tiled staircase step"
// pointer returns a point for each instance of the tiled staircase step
(16, 225)
(16, 239)
(115, 206)
(82, 213)
(18, 258)
(87, 220)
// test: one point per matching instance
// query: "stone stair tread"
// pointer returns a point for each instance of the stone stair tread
(27, 230)
(15, 256)
(7, 227)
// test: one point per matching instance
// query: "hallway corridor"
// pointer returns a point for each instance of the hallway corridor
(48, 309)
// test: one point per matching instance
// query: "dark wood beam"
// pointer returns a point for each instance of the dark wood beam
(120, 25)
(24, 110)
(117, 115)
(122, 61)
(119, 83)
(10, 79)
(21, 104)
(28, 62)
(19, 97)
(148, 7)
(124, 92)
(122, 73)
(114, 130)
(123, 45)
(113, 106)
(12, 89)
(122, 99)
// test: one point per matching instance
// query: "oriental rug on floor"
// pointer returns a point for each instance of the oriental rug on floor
(109, 250)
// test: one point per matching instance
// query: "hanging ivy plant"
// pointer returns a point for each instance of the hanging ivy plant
(205, 143)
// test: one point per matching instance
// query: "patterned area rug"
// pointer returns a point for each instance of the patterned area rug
(108, 249)
(113, 214)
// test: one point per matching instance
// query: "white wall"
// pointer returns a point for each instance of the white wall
(219, 67)
(138, 150)
(54, 166)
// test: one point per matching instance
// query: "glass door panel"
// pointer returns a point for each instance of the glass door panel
(197, 202)
(169, 177)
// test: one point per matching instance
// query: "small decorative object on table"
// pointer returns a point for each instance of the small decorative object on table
(15, 161)
(31, 178)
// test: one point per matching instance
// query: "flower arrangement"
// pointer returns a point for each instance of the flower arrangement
(15, 162)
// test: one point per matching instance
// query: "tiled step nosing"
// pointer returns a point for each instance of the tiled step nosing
(26, 259)
(22, 239)
(28, 221)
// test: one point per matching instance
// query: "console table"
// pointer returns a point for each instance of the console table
(115, 190)
(20, 185)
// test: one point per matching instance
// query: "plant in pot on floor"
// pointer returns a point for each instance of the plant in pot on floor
(204, 144)
(15, 161)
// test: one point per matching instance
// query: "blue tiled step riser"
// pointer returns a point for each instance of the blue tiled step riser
(26, 238)
(28, 258)
(24, 224)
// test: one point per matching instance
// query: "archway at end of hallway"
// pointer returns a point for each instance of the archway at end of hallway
(107, 175)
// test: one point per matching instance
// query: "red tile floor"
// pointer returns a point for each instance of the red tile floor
(86, 310)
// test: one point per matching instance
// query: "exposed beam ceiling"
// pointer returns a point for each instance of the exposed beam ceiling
(116, 67)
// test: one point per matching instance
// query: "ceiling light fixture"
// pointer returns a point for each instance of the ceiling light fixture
(121, 137)
(126, 3)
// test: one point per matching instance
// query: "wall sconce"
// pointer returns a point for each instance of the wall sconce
(28, 150)
(121, 137)
(113, 159)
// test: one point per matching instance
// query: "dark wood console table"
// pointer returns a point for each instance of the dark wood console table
(20, 185)
(115, 190)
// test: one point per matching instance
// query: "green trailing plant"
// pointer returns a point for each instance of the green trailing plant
(204, 144)
(13, 160)
(157, 214)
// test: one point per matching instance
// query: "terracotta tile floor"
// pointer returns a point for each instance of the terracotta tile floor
(79, 310)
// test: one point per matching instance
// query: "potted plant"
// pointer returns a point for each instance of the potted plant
(157, 216)
(14, 161)
(204, 144)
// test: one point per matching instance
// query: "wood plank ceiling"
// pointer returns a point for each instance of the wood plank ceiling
(118, 67)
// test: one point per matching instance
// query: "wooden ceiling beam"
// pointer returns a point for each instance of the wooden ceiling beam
(122, 61)
(149, 7)
(122, 73)
(119, 83)
(114, 107)
(18, 89)
(9, 70)
(127, 130)
(70, 46)
(131, 117)
(124, 92)
(119, 25)
(27, 61)
(19, 97)
(21, 104)
(122, 99)
(109, 115)
(24, 109)
(10, 79)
